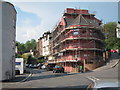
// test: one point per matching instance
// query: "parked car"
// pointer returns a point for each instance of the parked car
(35, 66)
(58, 69)
(50, 67)
(40, 66)
(31, 66)
(43, 66)
(103, 84)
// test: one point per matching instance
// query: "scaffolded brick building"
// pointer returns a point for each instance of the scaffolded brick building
(77, 41)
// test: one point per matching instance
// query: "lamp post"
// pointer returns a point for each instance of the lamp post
(76, 63)
(84, 65)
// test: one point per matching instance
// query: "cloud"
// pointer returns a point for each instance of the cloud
(27, 21)
(27, 31)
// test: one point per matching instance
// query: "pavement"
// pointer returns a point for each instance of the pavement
(21, 78)
(112, 63)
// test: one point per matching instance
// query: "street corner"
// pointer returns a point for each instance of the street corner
(19, 78)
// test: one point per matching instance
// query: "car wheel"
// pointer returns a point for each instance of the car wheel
(17, 72)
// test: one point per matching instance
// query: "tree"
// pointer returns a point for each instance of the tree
(26, 47)
(20, 47)
(41, 59)
(30, 45)
(25, 56)
(111, 41)
(31, 60)
(33, 44)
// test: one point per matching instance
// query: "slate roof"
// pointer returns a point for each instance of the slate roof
(81, 20)
(68, 21)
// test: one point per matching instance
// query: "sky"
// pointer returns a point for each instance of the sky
(35, 18)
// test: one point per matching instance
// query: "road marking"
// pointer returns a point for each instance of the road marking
(92, 78)
(26, 77)
(115, 64)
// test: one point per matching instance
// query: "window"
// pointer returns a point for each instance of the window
(60, 26)
(75, 33)
(83, 30)
(67, 42)
(91, 32)
(76, 29)
(76, 56)
(45, 38)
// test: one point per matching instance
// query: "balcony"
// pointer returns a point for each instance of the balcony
(71, 37)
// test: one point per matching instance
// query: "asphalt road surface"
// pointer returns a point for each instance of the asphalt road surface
(48, 79)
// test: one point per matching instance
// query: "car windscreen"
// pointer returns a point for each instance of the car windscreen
(57, 66)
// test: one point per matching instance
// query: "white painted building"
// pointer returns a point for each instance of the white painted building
(46, 44)
(118, 30)
(7, 40)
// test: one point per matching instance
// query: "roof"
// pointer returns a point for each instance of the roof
(68, 21)
(81, 20)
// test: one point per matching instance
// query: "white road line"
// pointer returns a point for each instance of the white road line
(92, 78)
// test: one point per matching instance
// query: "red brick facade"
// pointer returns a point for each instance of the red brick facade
(77, 41)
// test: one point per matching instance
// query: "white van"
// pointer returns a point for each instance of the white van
(19, 65)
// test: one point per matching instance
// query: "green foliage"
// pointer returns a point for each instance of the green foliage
(25, 56)
(31, 59)
(41, 59)
(27, 46)
(30, 45)
(20, 46)
(18, 55)
(33, 44)
(110, 29)
(111, 41)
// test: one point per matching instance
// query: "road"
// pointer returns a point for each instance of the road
(105, 73)
(48, 79)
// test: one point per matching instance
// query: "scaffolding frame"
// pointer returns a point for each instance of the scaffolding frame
(75, 51)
